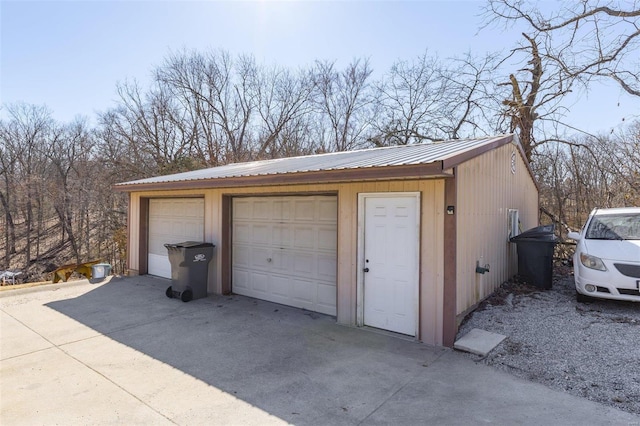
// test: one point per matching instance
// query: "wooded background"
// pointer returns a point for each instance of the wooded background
(210, 108)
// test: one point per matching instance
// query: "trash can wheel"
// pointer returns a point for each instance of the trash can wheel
(169, 293)
(186, 295)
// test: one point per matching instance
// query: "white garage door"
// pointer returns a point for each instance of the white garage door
(284, 250)
(172, 220)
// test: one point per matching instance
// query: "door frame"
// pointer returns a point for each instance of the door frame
(360, 264)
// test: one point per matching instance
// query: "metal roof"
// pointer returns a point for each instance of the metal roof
(401, 155)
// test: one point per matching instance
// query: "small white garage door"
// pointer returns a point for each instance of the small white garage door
(284, 250)
(172, 220)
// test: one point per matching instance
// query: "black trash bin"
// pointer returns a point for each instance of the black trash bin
(535, 255)
(189, 269)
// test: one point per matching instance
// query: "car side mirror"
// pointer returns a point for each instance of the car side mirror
(574, 235)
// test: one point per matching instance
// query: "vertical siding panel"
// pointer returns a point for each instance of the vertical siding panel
(400, 186)
(431, 260)
(381, 187)
(134, 233)
(213, 234)
(487, 189)
(347, 221)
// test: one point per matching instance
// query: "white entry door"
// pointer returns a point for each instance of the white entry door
(390, 261)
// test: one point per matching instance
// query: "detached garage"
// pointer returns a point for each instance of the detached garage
(387, 238)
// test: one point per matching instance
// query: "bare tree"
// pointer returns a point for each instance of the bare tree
(343, 100)
(409, 99)
(216, 94)
(25, 133)
(69, 152)
(564, 48)
(584, 39)
(536, 96)
(283, 103)
(151, 127)
(471, 104)
(8, 160)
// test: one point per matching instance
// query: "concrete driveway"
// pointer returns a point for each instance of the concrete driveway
(122, 352)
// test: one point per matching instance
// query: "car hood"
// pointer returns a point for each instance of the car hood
(625, 250)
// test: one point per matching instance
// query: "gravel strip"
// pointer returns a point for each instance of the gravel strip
(590, 350)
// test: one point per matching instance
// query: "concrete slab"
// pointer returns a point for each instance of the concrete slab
(49, 387)
(147, 359)
(479, 342)
(17, 339)
(166, 390)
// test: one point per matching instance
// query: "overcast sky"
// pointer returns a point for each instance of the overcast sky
(69, 55)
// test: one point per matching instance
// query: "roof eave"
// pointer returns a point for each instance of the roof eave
(414, 171)
(456, 160)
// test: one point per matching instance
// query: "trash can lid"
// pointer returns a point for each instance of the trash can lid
(544, 233)
(189, 244)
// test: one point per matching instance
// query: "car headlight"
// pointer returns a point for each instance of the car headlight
(592, 262)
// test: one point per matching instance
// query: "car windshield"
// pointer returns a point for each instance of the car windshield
(614, 227)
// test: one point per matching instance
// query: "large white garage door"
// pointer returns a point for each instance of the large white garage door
(284, 250)
(172, 220)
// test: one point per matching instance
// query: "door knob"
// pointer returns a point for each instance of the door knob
(366, 269)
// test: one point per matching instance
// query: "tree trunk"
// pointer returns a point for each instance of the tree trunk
(9, 232)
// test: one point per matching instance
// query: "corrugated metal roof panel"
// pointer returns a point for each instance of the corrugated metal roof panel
(375, 157)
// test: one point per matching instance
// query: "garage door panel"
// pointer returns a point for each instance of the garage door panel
(292, 252)
(261, 234)
(304, 210)
(304, 264)
(327, 211)
(326, 295)
(259, 284)
(327, 239)
(303, 237)
(281, 209)
(172, 220)
(281, 236)
(241, 279)
(241, 256)
(281, 261)
(280, 288)
(304, 291)
(193, 228)
(260, 258)
(327, 267)
(241, 233)
(261, 209)
(159, 265)
(190, 209)
(241, 209)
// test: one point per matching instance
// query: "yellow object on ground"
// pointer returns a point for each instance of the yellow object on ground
(64, 272)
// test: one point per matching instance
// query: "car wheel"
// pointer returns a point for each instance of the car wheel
(583, 298)
(169, 293)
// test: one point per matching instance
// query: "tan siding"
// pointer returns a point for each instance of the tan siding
(431, 273)
(134, 233)
(431, 260)
(346, 275)
(213, 233)
(486, 190)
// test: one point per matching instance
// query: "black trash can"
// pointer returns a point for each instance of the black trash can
(535, 255)
(189, 269)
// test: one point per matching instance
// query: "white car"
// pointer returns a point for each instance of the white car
(606, 263)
